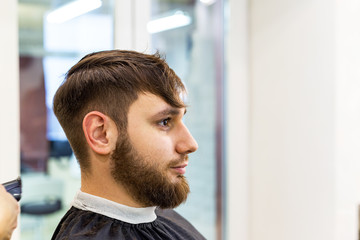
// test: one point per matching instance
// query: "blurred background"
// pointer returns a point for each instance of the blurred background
(274, 94)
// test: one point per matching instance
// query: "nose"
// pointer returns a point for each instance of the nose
(186, 143)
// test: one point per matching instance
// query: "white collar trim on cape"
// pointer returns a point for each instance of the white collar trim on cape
(112, 209)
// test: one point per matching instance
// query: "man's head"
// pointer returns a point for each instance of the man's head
(139, 96)
(109, 82)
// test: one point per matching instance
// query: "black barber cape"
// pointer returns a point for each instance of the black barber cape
(92, 217)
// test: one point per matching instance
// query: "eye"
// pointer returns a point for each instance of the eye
(165, 122)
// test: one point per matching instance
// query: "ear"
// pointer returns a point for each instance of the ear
(100, 132)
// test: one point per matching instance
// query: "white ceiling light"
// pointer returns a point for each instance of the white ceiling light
(179, 19)
(72, 10)
(208, 2)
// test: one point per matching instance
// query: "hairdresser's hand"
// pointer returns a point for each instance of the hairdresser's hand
(9, 211)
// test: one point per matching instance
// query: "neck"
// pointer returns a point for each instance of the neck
(103, 185)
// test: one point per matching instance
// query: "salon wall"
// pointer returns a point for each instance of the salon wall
(237, 110)
(292, 174)
(304, 120)
(347, 119)
(9, 95)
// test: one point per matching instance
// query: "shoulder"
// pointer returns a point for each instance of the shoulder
(171, 215)
(79, 224)
(174, 221)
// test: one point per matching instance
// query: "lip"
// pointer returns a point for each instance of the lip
(180, 169)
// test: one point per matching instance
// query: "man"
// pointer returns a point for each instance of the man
(122, 113)
(9, 211)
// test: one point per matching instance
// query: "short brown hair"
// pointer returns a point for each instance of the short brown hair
(109, 81)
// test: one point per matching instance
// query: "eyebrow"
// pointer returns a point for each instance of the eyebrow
(169, 111)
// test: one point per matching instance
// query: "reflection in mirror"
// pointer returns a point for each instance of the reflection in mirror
(50, 42)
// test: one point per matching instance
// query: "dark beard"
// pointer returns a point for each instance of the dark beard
(147, 182)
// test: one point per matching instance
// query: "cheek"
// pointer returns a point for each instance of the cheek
(150, 141)
(159, 149)
(153, 146)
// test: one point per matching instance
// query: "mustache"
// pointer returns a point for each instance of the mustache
(176, 162)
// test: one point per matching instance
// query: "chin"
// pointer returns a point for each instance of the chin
(176, 179)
